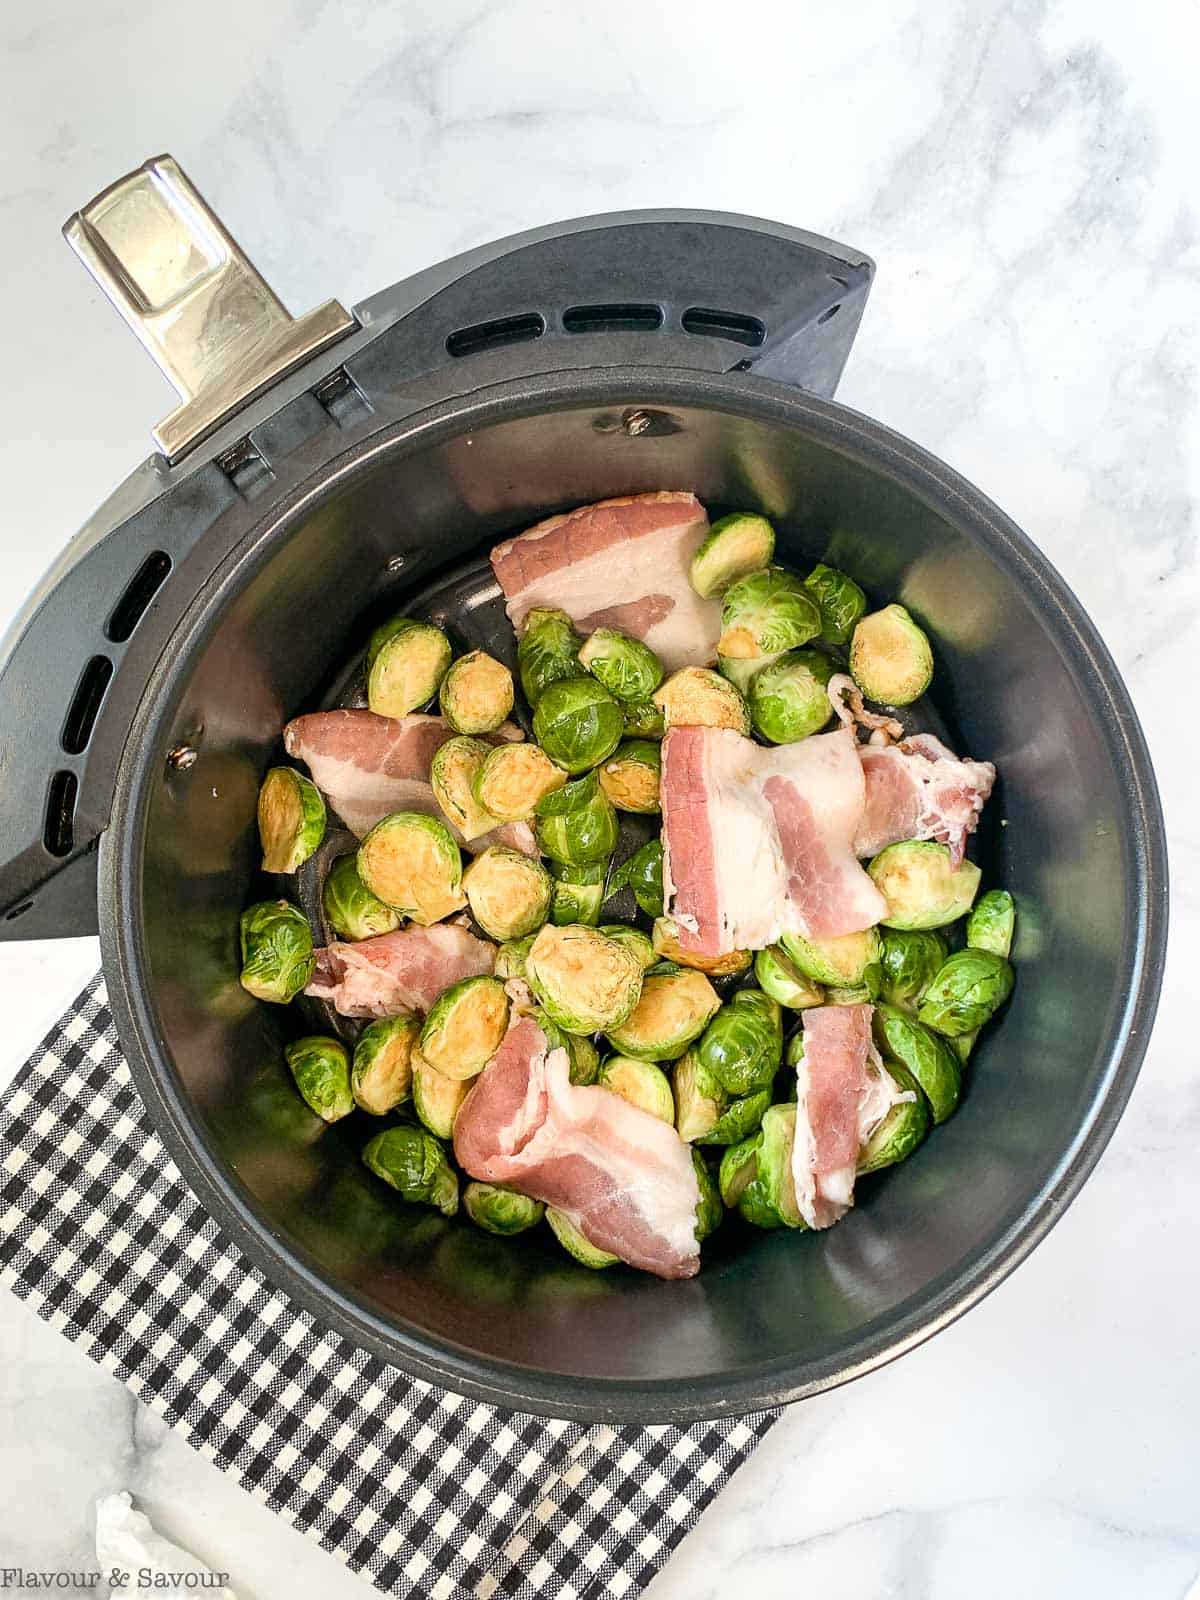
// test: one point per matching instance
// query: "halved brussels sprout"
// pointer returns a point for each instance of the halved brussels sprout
(465, 1027)
(735, 546)
(351, 910)
(901, 1130)
(577, 825)
(409, 662)
(410, 861)
(437, 1099)
(890, 657)
(576, 1243)
(970, 988)
(642, 719)
(775, 1164)
(666, 944)
(381, 1075)
(627, 668)
(921, 887)
(321, 1068)
(477, 693)
(855, 994)
(743, 1044)
(700, 1101)
(642, 873)
(739, 1120)
(513, 778)
(453, 775)
(841, 961)
(630, 776)
(578, 892)
(789, 699)
(698, 697)
(641, 1083)
(908, 961)
(508, 892)
(990, 925)
(291, 819)
(928, 1057)
(710, 1213)
(582, 1055)
(780, 977)
(546, 651)
(675, 1008)
(634, 939)
(587, 982)
(498, 1210)
(840, 601)
(511, 957)
(277, 951)
(767, 611)
(577, 723)
(415, 1165)
(742, 1187)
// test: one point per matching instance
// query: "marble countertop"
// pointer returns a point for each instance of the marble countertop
(1023, 171)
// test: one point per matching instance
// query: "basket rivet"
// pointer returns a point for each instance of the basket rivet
(636, 422)
(182, 757)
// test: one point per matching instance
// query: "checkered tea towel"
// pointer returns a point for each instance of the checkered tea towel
(426, 1492)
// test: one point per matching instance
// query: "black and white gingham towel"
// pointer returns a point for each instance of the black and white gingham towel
(426, 1492)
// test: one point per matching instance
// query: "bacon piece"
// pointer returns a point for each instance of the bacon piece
(624, 1177)
(758, 842)
(618, 564)
(398, 972)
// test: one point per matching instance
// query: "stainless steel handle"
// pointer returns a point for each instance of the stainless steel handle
(214, 327)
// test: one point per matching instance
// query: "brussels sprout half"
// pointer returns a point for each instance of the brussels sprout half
(697, 697)
(902, 1129)
(665, 935)
(465, 1027)
(453, 775)
(546, 651)
(321, 1068)
(502, 1211)
(630, 776)
(406, 670)
(291, 819)
(710, 1213)
(735, 546)
(634, 940)
(742, 1188)
(411, 862)
(775, 1164)
(477, 693)
(577, 824)
(990, 925)
(781, 978)
(739, 1119)
(908, 961)
(700, 1101)
(927, 1057)
(890, 657)
(437, 1099)
(921, 887)
(627, 668)
(743, 1044)
(642, 874)
(968, 990)
(511, 957)
(587, 982)
(642, 719)
(578, 892)
(277, 951)
(674, 1008)
(582, 1056)
(575, 1243)
(413, 1163)
(641, 1083)
(767, 611)
(578, 723)
(514, 778)
(508, 892)
(840, 601)
(789, 699)
(841, 961)
(351, 910)
(381, 1074)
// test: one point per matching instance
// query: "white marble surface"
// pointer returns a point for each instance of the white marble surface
(1024, 173)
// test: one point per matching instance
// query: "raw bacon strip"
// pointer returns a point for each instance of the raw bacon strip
(623, 1177)
(759, 842)
(618, 564)
(398, 972)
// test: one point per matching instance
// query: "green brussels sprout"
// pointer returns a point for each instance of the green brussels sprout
(511, 957)
(739, 1119)
(641, 719)
(921, 887)
(413, 1163)
(633, 939)
(582, 1056)
(465, 1027)
(321, 1068)
(675, 1008)
(642, 872)
(990, 925)
(627, 668)
(575, 1243)
(477, 693)
(577, 723)
(630, 776)
(855, 994)
(498, 1210)
(410, 861)
(381, 1075)
(351, 910)
(840, 601)
(277, 951)
(767, 611)
(789, 699)
(775, 1164)
(546, 651)
(710, 1213)
(508, 892)
(908, 960)
(408, 661)
(513, 778)
(665, 935)
(700, 1101)
(453, 775)
(587, 982)
(901, 1130)
(291, 819)
(437, 1099)
(641, 1083)
(698, 697)
(577, 825)
(779, 976)
(962, 1044)
(970, 988)
(928, 1057)
(578, 892)
(742, 1188)
(890, 657)
(734, 547)
(841, 961)
(742, 1045)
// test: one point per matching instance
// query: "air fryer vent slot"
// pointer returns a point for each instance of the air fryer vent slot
(491, 335)
(139, 591)
(733, 325)
(623, 318)
(59, 832)
(85, 705)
